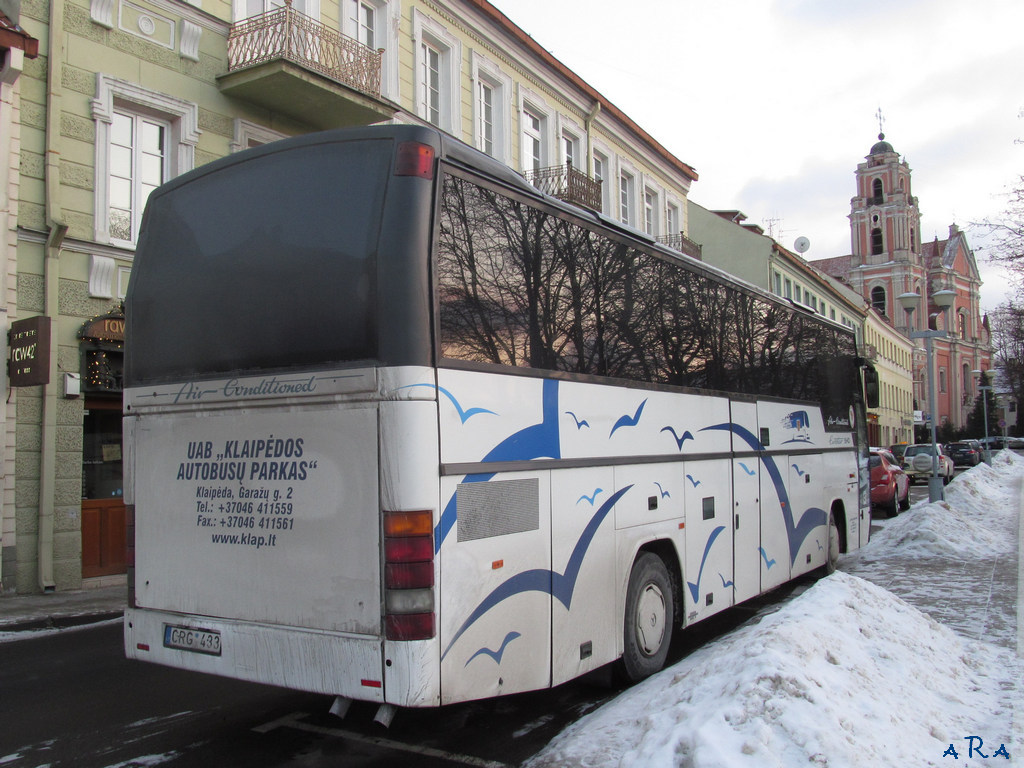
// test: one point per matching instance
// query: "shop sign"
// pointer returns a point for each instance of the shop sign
(29, 343)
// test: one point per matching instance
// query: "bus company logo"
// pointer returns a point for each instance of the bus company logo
(836, 421)
(800, 423)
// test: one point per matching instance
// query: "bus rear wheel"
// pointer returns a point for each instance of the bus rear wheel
(649, 618)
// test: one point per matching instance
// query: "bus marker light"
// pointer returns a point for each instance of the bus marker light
(414, 159)
(370, 683)
(497, 564)
(142, 646)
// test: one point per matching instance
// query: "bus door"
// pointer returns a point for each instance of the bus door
(774, 487)
(807, 497)
(746, 491)
(708, 573)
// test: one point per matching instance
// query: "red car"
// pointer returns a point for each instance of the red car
(890, 486)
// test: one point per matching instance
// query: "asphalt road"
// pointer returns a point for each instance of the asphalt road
(72, 699)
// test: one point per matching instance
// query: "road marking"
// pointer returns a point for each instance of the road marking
(294, 721)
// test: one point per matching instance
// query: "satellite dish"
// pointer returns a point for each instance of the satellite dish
(802, 244)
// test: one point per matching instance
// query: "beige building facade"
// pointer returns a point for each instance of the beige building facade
(127, 94)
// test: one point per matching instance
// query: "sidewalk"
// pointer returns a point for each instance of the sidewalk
(56, 610)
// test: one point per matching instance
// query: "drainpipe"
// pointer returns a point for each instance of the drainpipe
(51, 306)
(588, 121)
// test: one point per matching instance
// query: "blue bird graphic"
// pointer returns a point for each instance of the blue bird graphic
(725, 583)
(496, 655)
(798, 470)
(580, 423)
(591, 498)
(695, 586)
(680, 439)
(664, 494)
(695, 482)
(764, 556)
(820, 548)
(747, 469)
(627, 420)
(561, 586)
(464, 414)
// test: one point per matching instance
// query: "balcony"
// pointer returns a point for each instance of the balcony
(567, 183)
(681, 243)
(289, 63)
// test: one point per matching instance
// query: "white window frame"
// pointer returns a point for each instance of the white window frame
(625, 189)
(673, 217)
(248, 135)
(240, 8)
(388, 17)
(532, 103)
(486, 73)
(652, 211)
(601, 155)
(570, 143)
(427, 33)
(181, 117)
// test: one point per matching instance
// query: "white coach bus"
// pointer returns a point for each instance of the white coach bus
(402, 429)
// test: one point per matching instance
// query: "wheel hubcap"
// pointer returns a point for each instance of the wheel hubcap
(650, 619)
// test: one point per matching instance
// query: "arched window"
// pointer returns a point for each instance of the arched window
(876, 192)
(962, 324)
(878, 300)
(876, 242)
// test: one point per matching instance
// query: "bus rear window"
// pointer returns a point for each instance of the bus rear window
(260, 265)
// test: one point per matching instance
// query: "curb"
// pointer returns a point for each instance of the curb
(59, 622)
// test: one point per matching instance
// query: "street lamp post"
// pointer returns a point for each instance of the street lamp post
(984, 388)
(943, 300)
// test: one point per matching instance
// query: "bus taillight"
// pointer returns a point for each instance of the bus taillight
(414, 159)
(409, 575)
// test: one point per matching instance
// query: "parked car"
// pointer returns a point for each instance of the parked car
(890, 486)
(965, 453)
(921, 469)
(897, 451)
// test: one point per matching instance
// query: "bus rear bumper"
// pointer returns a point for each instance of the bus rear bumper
(295, 658)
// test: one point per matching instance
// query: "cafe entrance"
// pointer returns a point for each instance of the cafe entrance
(103, 510)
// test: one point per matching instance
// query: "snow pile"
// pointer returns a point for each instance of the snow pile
(846, 674)
(975, 520)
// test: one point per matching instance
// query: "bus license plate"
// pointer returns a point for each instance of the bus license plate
(189, 639)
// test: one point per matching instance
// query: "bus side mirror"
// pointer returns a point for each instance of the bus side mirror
(871, 390)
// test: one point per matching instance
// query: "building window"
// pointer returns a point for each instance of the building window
(248, 135)
(533, 140)
(437, 65)
(492, 123)
(375, 23)
(962, 320)
(570, 149)
(650, 211)
(876, 192)
(364, 22)
(673, 226)
(878, 302)
(778, 284)
(143, 138)
(942, 379)
(877, 246)
(626, 195)
(430, 84)
(485, 117)
(788, 291)
(601, 174)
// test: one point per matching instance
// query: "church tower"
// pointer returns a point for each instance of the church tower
(885, 226)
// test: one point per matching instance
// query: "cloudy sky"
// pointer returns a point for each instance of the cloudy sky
(774, 102)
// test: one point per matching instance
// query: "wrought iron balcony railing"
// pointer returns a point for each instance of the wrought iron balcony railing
(567, 183)
(285, 33)
(680, 242)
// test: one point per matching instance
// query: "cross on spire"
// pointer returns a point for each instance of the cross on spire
(881, 122)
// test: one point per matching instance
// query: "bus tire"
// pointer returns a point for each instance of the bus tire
(649, 618)
(834, 545)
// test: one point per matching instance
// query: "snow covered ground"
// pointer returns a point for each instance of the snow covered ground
(908, 656)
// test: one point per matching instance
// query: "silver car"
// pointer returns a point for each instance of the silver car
(921, 468)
